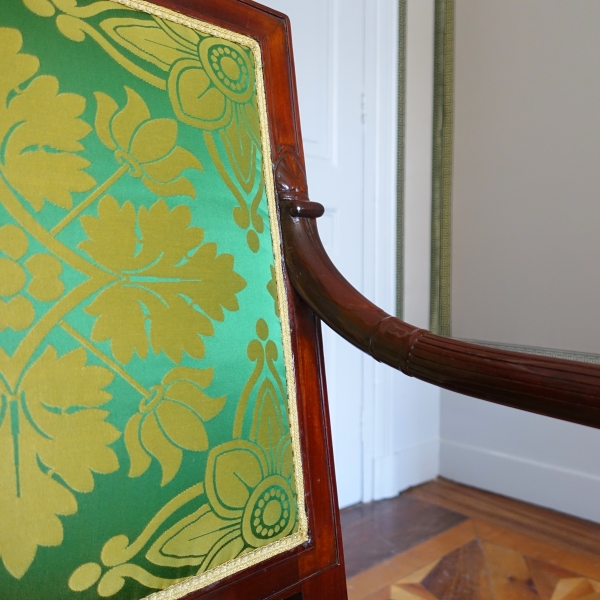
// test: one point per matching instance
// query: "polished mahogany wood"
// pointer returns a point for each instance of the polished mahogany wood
(558, 388)
(377, 531)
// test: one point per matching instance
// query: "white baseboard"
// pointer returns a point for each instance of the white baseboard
(561, 489)
(406, 468)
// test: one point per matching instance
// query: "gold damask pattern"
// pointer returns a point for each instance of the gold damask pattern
(36, 436)
(247, 484)
(127, 300)
(210, 82)
(162, 280)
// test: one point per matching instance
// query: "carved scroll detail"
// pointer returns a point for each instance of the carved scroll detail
(290, 177)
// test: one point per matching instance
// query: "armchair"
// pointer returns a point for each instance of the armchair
(163, 413)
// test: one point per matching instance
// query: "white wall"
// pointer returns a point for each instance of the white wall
(525, 456)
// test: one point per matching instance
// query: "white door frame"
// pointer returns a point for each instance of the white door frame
(380, 199)
(401, 415)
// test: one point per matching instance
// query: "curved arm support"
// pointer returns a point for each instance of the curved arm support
(558, 388)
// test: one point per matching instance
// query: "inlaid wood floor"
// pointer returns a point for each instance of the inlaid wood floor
(479, 547)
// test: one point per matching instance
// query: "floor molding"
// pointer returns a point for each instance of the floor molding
(560, 489)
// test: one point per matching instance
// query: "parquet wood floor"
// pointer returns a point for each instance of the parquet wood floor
(380, 530)
(560, 530)
(502, 550)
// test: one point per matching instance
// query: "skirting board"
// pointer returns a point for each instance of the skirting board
(564, 490)
(406, 468)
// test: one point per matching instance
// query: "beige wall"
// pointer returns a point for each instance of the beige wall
(526, 187)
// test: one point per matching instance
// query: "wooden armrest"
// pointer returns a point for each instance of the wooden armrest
(554, 387)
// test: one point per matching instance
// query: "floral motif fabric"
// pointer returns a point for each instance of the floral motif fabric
(144, 398)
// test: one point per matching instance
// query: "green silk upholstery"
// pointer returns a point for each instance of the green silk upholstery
(148, 428)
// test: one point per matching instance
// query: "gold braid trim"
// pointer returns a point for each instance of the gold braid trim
(192, 584)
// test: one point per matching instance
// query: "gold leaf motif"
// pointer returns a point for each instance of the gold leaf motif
(147, 146)
(13, 241)
(44, 271)
(43, 8)
(268, 420)
(117, 551)
(206, 89)
(183, 426)
(248, 483)
(121, 320)
(171, 420)
(196, 102)
(16, 68)
(171, 280)
(267, 414)
(208, 77)
(113, 239)
(44, 383)
(139, 459)
(17, 314)
(205, 531)
(158, 42)
(250, 505)
(194, 399)
(12, 277)
(156, 442)
(85, 576)
(40, 130)
(233, 469)
(53, 411)
(30, 503)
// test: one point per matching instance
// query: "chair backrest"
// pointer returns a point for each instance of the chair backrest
(163, 419)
